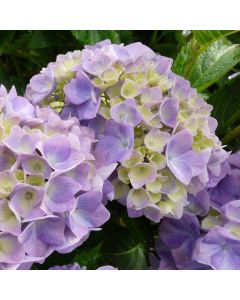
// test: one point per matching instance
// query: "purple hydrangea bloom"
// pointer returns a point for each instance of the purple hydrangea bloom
(51, 183)
(147, 119)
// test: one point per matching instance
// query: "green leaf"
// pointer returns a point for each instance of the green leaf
(6, 37)
(226, 106)
(204, 37)
(89, 256)
(213, 63)
(92, 37)
(123, 250)
(182, 59)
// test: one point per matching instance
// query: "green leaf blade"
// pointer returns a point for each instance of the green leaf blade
(204, 37)
(214, 63)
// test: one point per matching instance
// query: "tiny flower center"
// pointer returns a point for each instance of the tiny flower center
(37, 167)
(125, 144)
(29, 195)
(7, 189)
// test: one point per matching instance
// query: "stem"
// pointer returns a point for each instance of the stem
(231, 135)
(196, 50)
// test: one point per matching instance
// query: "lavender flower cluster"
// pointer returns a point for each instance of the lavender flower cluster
(146, 118)
(113, 122)
(51, 189)
(208, 234)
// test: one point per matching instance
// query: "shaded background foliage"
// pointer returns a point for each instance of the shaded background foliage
(209, 59)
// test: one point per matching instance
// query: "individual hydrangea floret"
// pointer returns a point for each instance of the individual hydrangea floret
(147, 119)
(51, 184)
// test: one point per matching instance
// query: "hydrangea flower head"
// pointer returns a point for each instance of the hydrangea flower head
(51, 186)
(147, 119)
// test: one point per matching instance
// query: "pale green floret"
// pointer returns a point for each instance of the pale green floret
(155, 186)
(164, 83)
(158, 159)
(19, 175)
(165, 207)
(139, 198)
(210, 221)
(120, 189)
(179, 195)
(111, 76)
(135, 158)
(201, 142)
(6, 246)
(7, 183)
(35, 180)
(143, 150)
(104, 111)
(234, 228)
(129, 89)
(8, 219)
(156, 140)
(123, 174)
(155, 197)
(141, 174)
(115, 100)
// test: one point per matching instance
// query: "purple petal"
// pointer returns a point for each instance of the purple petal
(10, 249)
(126, 112)
(181, 159)
(60, 194)
(26, 200)
(169, 111)
(116, 144)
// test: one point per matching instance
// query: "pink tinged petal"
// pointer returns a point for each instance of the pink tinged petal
(156, 140)
(169, 111)
(181, 159)
(126, 112)
(9, 221)
(89, 213)
(10, 249)
(22, 142)
(60, 194)
(35, 165)
(41, 236)
(26, 201)
(62, 152)
(141, 174)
